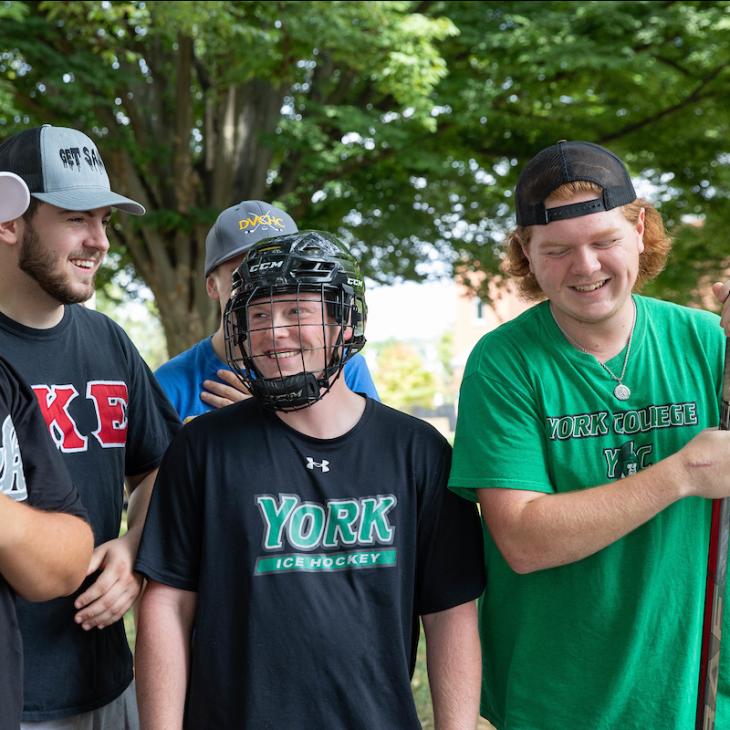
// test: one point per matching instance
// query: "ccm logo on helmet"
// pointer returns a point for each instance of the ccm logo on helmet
(354, 282)
(266, 265)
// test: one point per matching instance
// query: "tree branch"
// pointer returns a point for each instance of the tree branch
(694, 96)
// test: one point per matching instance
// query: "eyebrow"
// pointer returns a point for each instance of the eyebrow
(64, 211)
(293, 299)
(606, 233)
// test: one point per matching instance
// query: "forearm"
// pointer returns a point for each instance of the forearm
(162, 656)
(454, 666)
(548, 530)
(43, 555)
(140, 492)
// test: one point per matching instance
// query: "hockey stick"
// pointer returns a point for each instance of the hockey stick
(715, 586)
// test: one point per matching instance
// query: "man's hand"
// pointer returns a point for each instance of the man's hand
(115, 590)
(222, 394)
(706, 464)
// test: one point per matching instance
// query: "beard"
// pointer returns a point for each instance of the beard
(42, 265)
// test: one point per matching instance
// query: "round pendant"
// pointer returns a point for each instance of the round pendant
(622, 392)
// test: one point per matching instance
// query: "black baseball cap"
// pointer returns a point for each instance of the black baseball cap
(63, 167)
(241, 226)
(566, 162)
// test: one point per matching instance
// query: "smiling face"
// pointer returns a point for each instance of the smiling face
(587, 266)
(62, 250)
(290, 334)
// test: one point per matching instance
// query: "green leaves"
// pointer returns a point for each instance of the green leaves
(400, 125)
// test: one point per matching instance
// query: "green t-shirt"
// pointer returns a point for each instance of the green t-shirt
(610, 642)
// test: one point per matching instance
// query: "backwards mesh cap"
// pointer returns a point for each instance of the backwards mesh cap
(63, 167)
(566, 162)
(240, 227)
(14, 197)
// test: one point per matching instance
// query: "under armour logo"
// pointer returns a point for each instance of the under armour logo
(324, 465)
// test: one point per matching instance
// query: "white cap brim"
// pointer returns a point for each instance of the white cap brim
(14, 196)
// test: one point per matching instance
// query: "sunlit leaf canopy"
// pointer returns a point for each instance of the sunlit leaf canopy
(399, 125)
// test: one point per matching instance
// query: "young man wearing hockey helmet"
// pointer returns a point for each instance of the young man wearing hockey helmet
(295, 539)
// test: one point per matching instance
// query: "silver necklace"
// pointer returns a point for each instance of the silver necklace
(621, 391)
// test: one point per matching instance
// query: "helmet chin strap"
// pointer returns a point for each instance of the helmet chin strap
(289, 393)
(294, 392)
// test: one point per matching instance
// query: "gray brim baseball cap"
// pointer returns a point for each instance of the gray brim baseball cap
(14, 196)
(63, 167)
(240, 227)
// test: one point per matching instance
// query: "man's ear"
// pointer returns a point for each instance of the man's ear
(526, 254)
(641, 228)
(211, 286)
(11, 231)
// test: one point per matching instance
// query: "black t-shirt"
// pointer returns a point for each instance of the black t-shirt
(108, 418)
(31, 471)
(311, 560)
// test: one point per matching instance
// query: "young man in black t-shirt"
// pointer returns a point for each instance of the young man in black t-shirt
(45, 541)
(294, 540)
(44, 552)
(103, 409)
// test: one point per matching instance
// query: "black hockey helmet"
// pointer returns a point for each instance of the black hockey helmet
(289, 270)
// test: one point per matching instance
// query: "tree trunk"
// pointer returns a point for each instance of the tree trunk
(171, 258)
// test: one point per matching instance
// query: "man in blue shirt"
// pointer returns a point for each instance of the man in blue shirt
(199, 379)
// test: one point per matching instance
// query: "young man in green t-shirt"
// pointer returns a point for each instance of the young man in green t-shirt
(584, 433)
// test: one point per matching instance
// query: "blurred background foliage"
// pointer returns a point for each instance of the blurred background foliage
(400, 125)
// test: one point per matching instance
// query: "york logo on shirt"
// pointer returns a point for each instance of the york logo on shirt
(627, 459)
(12, 476)
(290, 524)
(110, 399)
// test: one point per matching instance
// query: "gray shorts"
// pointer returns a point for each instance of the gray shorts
(121, 714)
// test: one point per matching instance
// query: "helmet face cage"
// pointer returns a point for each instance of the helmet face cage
(288, 336)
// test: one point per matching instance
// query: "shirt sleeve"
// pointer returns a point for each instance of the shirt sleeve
(450, 566)
(358, 378)
(33, 470)
(499, 440)
(152, 419)
(169, 550)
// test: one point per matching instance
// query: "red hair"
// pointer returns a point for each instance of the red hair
(657, 243)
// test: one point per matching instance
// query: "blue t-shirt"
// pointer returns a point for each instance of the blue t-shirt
(182, 378)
